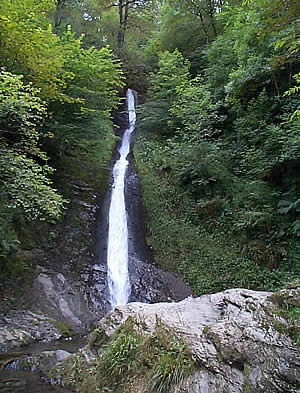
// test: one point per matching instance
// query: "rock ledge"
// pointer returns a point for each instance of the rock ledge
(239, 337)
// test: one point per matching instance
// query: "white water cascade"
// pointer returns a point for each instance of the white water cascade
(117, 248)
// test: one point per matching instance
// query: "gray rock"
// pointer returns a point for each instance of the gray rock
(19, 328)
(40, 363)
(232, 335)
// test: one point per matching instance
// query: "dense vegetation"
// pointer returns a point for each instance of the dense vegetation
(218, 147)
(56, 97)
(130, 360)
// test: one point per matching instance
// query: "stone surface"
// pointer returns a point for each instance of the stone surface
(19, 328)
(12, 381)
(232, 334)
(40, 363)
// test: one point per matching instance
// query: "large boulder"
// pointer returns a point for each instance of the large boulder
(242, 340)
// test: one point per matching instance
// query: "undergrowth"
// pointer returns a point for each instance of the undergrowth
(153, 363)
(203, 242)
(160, 359)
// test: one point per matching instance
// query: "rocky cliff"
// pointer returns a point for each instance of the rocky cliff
(233, 341)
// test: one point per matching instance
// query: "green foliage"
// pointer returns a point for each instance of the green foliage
(174, 364)
(21, 112)
(288, 308)
(28, 188)
(281, 18)
(161, 358)
(227, 62)
(56, 97)
(26, 191)
(29, 47)
(201, 167)
(24, 181)
(195, 112)
(64, 329)
(293, 319)
(96, 77)
(64, 88)
(131, 359)
(118, 362)
(233, 155)
(155, 117)
(198, 234)
(173, 70)
(179, 29)
(97, 338)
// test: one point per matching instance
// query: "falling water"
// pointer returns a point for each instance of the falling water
(117, 249)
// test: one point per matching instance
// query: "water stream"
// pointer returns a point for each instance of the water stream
(117, 247)
(122, 242)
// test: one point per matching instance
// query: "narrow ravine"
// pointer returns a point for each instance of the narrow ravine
(117, 249)
(123, 272)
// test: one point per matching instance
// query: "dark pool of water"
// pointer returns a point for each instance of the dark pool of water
(71, 346)
(25, 382)
(18, 381)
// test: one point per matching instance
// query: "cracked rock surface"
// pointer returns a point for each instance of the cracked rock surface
(232, 334)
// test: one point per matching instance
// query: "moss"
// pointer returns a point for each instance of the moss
(97, 338)
(64, 329)
(74, 372)
(246, 369)
(287, 306)
(246, 387)
(291, 328)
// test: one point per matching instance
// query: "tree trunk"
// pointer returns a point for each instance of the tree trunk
(58, 18)
(121, 28)
(123, 18)
(211, 12)
(204, 27)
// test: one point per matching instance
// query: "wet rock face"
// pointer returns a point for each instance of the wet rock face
(150, 285)
(24, 327)
(233, 335)
(40, 363)
(67, 286)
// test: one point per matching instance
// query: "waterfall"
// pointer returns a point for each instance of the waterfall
(117, 248)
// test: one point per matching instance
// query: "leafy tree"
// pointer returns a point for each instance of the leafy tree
(205, 10)
(173, 70)
(27, 187)
(280, 19)
(179, 29)
(22, 112)
(195, 111)
(24, 174)
(96, 77)
(234, 151)
(28, 45)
